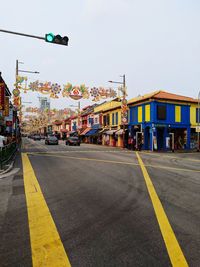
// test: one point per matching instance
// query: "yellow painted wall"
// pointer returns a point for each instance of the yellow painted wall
(106, 106)
(139, 114)
(193, 119)
(147, 112)
(177, 113)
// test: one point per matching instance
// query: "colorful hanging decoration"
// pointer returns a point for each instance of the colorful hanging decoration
(124, 109)
(68, 90)
(75, 92)
(102, 93)
(16, 92)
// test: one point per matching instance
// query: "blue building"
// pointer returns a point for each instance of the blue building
(160, 121)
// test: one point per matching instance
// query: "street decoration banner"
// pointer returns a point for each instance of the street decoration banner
(124, 111)
(68, 90)
(2, 96)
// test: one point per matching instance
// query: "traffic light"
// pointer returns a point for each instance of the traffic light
(56, 39)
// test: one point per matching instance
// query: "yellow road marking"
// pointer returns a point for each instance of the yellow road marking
(175, 253)
(167, 156)
(110, 161)
(78, 158)
(46, 245)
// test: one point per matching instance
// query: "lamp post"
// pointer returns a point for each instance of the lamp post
(123, 90)
(16, 83)
(198, 122)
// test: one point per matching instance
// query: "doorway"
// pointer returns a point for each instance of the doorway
(160, 138)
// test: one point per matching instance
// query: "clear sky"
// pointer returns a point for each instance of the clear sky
(155, 43)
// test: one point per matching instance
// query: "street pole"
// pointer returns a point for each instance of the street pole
(123, 101)
(124, 98)
(198, 121)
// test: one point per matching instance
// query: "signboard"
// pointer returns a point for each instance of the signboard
(198, 129)
(2, 96)
(6, 107)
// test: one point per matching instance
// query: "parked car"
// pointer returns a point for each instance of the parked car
(73, 141)
(36, 138)
(51, 140)
(42, 137)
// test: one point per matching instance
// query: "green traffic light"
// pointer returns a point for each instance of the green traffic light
(49, 37)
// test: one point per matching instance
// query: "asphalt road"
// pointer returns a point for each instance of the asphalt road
(100, 204)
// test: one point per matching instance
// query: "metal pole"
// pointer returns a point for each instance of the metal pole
(124, 97)
(79, 108)
(198, 121)
(28, 71)
(23, 34)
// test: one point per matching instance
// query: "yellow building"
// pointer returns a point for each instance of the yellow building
(194, 124)
(112, 133)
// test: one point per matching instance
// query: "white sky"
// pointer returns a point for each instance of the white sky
(155, 43)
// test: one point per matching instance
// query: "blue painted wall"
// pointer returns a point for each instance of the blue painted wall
(168, 123)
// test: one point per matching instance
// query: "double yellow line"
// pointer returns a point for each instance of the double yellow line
(46, 245)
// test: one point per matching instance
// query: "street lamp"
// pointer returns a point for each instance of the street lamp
(123, 90)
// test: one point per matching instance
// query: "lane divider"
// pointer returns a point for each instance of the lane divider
(173, 248)
(46, 245)
(55, 155)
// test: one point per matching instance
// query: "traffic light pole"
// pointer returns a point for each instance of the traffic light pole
(23, 34)
(50, 37)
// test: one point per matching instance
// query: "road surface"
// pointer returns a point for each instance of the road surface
(100, 206)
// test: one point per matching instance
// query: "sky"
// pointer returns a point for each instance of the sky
(156, 44)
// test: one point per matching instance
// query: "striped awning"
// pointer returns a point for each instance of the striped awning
(85, 131)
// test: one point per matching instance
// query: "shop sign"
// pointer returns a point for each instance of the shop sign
(2, 96)
(198, 129)
(160, 125)
(6, 107)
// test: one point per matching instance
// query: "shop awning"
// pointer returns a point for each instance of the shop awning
(119, 132)
(111, 132)
(63, 130)
(85, 131)
(91, 132)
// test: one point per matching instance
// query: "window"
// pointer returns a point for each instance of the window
(108, 119)
(147, 113)
(161, 112)
(116, 118)
(140, 114)
(113, 119)
(177, 113)
(104, 120)
(197, 115)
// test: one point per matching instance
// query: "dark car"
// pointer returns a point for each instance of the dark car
(51, 140)
(36, 138)
(73, 141)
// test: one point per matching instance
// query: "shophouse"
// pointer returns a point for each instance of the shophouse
(195, 125)
(87, 121)
(8, 122)
(160, 121)
(95, 120)
(112, 132)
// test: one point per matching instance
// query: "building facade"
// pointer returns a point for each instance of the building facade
(160, 121)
